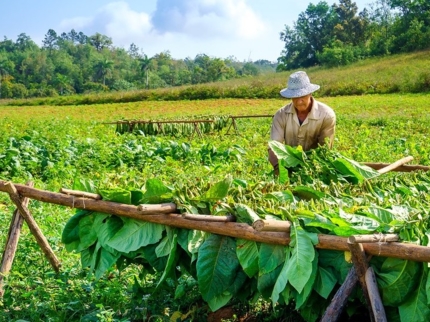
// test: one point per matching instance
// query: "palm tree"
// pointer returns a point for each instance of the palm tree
(145, 64)
(3, 72)
(103, 69)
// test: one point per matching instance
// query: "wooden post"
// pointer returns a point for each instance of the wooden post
(360, 262)
(337, 304)
(375, 299)
(34, 228)
(12, 242)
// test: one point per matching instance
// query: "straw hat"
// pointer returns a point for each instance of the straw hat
(298, 85)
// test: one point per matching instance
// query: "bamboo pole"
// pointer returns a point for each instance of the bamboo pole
(161, 214)
(375, 299)
(32, 225)
(12, 242)
(395, 164)
(337, 304)
(272, 225)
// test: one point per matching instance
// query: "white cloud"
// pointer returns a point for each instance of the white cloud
(207, 18)
(186, 28)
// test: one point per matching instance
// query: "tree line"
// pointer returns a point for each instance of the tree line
(75, 63)
(339, 35)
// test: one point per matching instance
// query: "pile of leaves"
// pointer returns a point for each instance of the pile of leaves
(318, 192)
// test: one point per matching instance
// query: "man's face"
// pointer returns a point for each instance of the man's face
(302, 103)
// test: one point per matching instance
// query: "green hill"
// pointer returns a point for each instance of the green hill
(403, 73)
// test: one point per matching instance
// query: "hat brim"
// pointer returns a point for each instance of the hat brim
(293, 93)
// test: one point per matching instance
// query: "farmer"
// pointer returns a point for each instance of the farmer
(305, 121)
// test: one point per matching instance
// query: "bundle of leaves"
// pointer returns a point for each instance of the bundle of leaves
(227, 269)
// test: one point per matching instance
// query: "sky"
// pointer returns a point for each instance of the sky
(247, 30)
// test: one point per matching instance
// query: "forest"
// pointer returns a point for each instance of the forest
(74, 63)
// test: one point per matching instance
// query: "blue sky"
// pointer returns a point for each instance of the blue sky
(244, 29)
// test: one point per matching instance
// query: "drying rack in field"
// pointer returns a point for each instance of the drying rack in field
(189, 126)
(265, 231)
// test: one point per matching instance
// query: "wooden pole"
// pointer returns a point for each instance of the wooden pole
(271, 225)
(375, 299)
(360, 263)
(12, 242)
(32, 225)
(374, 238)
(337, 304)
(402, 168)
(395, 164)
(82, 194)
(161, 214)
(228, 218)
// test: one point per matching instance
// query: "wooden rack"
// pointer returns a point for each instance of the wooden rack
(362, 247)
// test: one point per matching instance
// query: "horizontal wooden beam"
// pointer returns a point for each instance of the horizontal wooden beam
(162, 214)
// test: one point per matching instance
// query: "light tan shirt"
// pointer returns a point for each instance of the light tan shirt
(318, 125)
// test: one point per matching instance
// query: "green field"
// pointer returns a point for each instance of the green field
(60, 146)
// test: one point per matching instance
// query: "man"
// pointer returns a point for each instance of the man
(305, 121)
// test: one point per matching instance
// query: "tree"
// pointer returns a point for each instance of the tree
(24, 42)
(350, 27)
(311, 32)
(100, 41)
(103, 69)
(3, 72)
(50, 41)
(145, 64)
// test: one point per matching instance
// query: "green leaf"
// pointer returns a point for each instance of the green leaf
(245, 214)
(299, 268)
(219, 190)
(303, 296)
(217, 264)
(71, 229)
(397, 278)
(164, 247)
(171, 260)
(135, 234)
(156, 192)
(282, 279)
(87, 232)
(247, 253)
(348, 171)
(292, 157)
(116, 195)
(270, 257)
(106, 226)
(325, 282)
(106, 260)
(354, 171)
(82, 184)
(219, 301)
(266, 282)
(195, 240)
(307, 193)
(280, 196)
(415, 308)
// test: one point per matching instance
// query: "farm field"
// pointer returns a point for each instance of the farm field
(71, 146)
